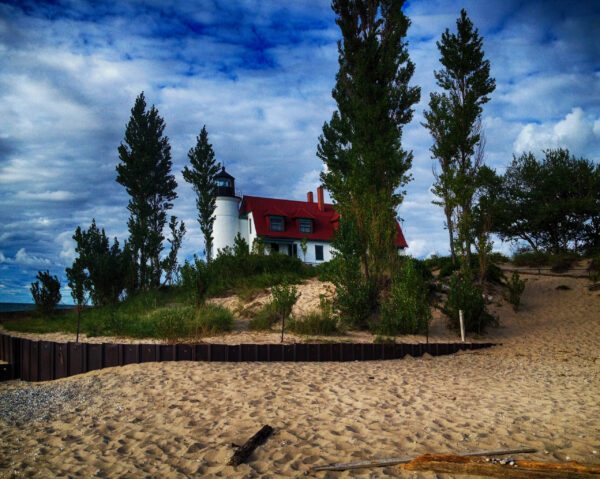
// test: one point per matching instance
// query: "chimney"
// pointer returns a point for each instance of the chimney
(309, 197)
(320, 198)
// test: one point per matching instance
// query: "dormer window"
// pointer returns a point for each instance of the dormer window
(305, 225)
(276, 223)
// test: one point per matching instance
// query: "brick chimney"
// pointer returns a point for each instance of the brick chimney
(320, 198)
(309, 197)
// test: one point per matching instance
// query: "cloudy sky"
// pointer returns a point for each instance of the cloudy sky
(259, 74)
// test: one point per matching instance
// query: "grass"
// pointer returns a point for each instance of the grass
(264, 319)
(148, 315)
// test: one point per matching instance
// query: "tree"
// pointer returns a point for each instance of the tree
(304, 247)
(361, 145)
(79, 285)
(103, 266)
(145, 172)
(201, 176)
(240, 246)
(169, 264)
(47, 295)
(454, 121)
(537, 205)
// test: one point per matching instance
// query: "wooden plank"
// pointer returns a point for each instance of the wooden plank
(46, 364)
(94, 357)
(131, 354)
(454, 464)
(75, 358)
(61, 360)
(404, 460)
(111, 355)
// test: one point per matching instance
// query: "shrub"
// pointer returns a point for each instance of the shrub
(515, 286)
(466, 296)
(320, 322)
(384, 340)
(173, 323)
(407, 310)
(563, 262)
(264, 319)
(284, 298)
(47, 295)
(211, 319)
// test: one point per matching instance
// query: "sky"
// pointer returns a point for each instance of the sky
(259, 75)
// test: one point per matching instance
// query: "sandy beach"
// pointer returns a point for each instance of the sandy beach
(540, 388)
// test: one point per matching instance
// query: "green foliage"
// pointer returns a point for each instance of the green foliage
(454, 121)
(150, 314)
(264, 319)
(515, 286)
(47, 295)
(320, 322)
(201, 175)
(326, 271)
(594, 268)
(169, 264)
(240, 246)
(407, 311)
(304, 247)
(284, 297)
(537, 205)
(361, 146)
(231, 273)
(356, 294)
(558, 263)
(466, 296)
(100, 268)
(145, 172)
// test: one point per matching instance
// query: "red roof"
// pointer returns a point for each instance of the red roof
(324, 222)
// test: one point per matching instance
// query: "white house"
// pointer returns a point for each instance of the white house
(281, 224)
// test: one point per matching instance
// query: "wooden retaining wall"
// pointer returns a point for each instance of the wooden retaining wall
(44, 360)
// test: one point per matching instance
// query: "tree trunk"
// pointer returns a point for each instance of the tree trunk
(448, 212)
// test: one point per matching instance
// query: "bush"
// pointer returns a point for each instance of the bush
(466, 296)
(173, 323)
(407, 310)
(515, 286)
(212, 319)
(594, 268)
(46, 296)
(265, 318)
(320, 322)
(284, 298)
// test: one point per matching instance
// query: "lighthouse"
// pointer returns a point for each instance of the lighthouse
(227, 218)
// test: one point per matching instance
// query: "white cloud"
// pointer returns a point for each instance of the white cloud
(574, 132)
(58, 195)
(23, 258)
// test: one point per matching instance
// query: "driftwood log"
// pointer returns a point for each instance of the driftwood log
(403, 460)
(450, 463)
(243, 452)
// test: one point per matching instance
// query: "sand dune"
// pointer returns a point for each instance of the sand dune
(541, 388)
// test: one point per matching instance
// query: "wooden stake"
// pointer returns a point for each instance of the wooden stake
(404, 460)
(461, 316)
(244, 451)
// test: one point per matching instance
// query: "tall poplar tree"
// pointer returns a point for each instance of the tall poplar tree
(361, 145)
(201, 175)
(454, 120)
(145, 172)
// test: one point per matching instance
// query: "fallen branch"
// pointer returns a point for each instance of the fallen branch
(243, 452)
(404, 460)
(455, 464)
(594, 287)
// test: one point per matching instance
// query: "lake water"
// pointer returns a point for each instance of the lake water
(25, 306)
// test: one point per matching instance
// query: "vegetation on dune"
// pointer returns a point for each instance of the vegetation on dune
(321, 322)
(515, 286)
(151, 314)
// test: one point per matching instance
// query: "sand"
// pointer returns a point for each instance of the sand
(541, 388)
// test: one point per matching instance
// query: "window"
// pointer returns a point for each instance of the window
(223, 182)
(276, 223)
(319, 252)
(305, 225)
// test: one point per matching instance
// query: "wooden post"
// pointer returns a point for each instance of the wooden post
(462, 325)
(78, 321)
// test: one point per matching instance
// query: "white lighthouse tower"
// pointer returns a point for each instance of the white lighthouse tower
(227, 221)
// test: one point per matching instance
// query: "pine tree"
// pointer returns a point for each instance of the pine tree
(201, 176)
(454, 120)
(145, 172)
(361, 145)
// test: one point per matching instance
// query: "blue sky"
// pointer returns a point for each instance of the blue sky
(259, 74)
